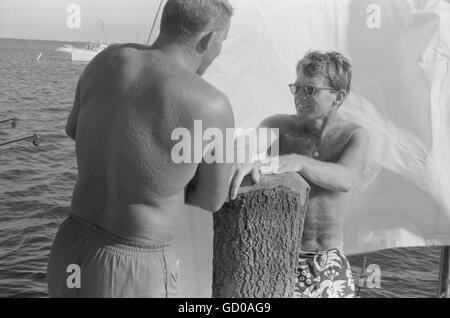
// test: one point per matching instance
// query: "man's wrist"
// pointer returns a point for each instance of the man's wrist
(300, 160)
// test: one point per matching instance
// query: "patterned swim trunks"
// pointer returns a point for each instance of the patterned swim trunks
(324, 275)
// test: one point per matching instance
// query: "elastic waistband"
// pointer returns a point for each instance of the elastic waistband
(108, 240)
(339, 250)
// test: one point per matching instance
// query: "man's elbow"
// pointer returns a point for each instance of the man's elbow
(71, 132)
(210, 207)
(214, 205)
(208, 203)
(348, 182)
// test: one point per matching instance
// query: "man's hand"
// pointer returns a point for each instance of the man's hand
(240, 172)
(285, 164)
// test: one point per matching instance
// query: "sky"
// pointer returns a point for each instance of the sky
(124, 20)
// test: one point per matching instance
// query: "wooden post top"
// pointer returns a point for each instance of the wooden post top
(293, 181)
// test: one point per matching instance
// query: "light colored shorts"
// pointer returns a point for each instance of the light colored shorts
(88, 262)
(324, 274)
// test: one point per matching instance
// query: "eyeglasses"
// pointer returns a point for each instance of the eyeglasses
(308, 89)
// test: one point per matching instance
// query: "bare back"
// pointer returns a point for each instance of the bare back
(131, 99)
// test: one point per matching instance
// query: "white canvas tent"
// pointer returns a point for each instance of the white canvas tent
(400, 52)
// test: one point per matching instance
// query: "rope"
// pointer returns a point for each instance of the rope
(35, 139)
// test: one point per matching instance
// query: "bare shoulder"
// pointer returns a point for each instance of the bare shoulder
(355, 141)
(353, 135)
(203, 101)
(279, 121)
(352, 129)
(112, 64)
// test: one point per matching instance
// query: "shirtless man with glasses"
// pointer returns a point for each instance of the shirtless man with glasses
(330, 153)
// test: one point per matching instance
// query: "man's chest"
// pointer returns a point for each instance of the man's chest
(328, 150)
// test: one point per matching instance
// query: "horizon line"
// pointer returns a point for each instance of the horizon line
(47, 40)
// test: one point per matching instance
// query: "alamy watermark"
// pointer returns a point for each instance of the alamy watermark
(73, 280)
(73, 20)
(234, 146)
(374, 19)
(371, 277)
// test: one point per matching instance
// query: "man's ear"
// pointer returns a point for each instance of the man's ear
(340, 98)
(204, 42)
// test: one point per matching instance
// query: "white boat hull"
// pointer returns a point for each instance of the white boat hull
(82, 55)
(65, 49)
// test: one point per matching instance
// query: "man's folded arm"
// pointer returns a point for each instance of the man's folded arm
(276, 124)
(343, 175)
(210, 188)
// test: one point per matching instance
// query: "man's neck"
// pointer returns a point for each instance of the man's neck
(179, 52)
(322, 126)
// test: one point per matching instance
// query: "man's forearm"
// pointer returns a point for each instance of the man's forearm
(212, 202)
(209, 189)
(331, 176)
(249, 147)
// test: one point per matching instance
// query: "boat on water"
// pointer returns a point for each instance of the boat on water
(87, 53)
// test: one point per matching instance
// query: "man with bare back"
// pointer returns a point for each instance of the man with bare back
(330, 153)
(130, 193)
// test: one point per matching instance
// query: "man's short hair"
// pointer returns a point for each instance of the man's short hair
(187, 18)
(334, 66)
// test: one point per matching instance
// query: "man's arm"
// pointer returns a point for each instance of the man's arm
(71, 125)
(209, 189)
(278, 123)
(263, 146)
(340, 176)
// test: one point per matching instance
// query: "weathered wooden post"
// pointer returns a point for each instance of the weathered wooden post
(257, 239)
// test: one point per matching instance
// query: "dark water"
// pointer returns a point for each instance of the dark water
(36, 183)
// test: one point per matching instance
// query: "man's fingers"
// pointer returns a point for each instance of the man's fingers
(237, 184)
(233, 174)
(255, 175)
(268, 170)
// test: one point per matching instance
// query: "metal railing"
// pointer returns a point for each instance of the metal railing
(35, 139)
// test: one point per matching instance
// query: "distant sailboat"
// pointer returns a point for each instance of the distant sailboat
(87, 53)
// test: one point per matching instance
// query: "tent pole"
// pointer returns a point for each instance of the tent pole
(362, 278)
(444, 279)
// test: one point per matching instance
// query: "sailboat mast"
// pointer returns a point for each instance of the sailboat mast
(102, 30)
(154, 22)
